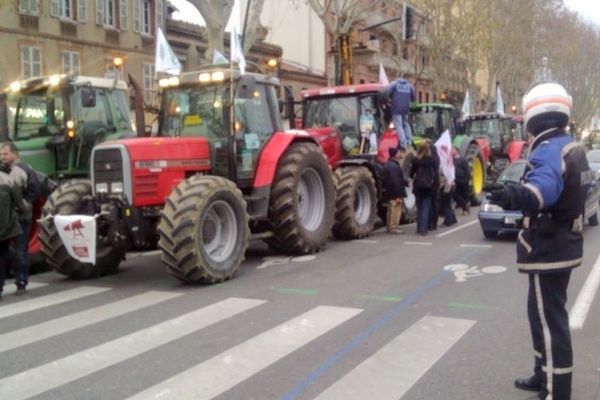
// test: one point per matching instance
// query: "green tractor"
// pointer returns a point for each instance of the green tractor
(55, 121)
(430, 120)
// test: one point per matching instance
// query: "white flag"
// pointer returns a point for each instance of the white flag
(78, 234)
(165, 59)
(237, 52)
(444, 150)
(499, 101)
(383, 79)
(466, 107)
(219, 58)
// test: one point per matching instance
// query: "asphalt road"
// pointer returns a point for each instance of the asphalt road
(377, 319)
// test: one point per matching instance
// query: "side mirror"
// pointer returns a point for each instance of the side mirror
(88, 97)
(246, 87)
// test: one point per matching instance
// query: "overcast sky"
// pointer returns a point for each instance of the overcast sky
(589, 8)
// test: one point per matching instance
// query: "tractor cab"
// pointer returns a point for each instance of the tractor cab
(197, 105)
(495, 127)
(431, 120)
(55, 121)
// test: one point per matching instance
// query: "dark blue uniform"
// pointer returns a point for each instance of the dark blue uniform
(550, 244)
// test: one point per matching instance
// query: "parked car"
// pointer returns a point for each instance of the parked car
(494, 220)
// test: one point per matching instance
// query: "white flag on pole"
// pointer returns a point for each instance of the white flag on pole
(466, 107)
(444, 150)
(165, 59)
(499, 100)
(237, 52)
(78, 234)
(383, 79)
(219, 58)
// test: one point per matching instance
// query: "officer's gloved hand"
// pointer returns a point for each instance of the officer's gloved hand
(501, 196)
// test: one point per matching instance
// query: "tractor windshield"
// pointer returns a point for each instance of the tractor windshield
(340, 112)
(38, 114)
(424, 124)
(489, 128)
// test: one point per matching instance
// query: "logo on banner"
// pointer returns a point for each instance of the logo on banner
(78, 234)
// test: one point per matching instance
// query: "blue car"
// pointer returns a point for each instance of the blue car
(494, 220)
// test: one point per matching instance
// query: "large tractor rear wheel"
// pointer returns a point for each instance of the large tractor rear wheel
(66, 200)
(204, 230)
(477, 165)
(356, 202)
(302, 201)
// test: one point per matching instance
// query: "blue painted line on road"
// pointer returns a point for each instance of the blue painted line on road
(359, 339)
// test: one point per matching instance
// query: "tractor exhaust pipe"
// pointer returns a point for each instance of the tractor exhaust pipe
(138, 106)
(3, 118)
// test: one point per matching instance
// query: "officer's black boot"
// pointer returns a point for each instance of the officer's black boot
(533, 383)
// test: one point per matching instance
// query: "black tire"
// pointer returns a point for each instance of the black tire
(472, 155)
(356, 202)
(593, 220)
(409, 204)
(490, 234)
(295, 231)
(66, 200)
(201, 208)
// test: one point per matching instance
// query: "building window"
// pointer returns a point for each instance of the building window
(149, 92)
(123, 21)
(106, 13)
(426, 97)
(142, 17)
(62, 9)
(30, 7)
(160, 14)
(31, 61)
(146, 17)
(82, 10)
(420, 97)
(70, 63)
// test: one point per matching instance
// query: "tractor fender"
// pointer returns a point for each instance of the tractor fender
(486, 149)
(464, 144)
(515, 149)
(272, 152)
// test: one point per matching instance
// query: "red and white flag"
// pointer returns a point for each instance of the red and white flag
(78, 234)
(383, 79)
(444, 150)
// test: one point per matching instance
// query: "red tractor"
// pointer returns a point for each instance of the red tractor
(356, 116)
(497, 130)
(220, 172)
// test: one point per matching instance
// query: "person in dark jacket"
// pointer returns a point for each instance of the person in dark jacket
(401, 93)
(422, 172)
(434, 212)
(395, 190)
(462, 189)
(10, 198)
(25, 178)
(552, 199)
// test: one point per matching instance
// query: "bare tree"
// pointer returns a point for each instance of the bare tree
(215, 13)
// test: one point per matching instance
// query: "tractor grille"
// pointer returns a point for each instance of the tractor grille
(108, 165)
(146, 186)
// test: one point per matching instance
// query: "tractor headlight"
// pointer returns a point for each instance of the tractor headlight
(116, 187)
(102, 187)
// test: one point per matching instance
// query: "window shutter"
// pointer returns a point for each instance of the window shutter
(100, 12)
(160, 14)
(82, 10)
(55, 8)
(123, 9)
(137, 10)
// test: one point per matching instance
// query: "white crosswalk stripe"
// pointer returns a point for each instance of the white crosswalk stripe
(51, 375)
(49, 300)
(81, 319)
(222, 372)
(395, 368)
(11, 289)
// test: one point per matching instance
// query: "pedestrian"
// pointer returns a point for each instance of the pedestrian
(24, 177)
(422, 172)
(550, 244)
(10, 198)
(401, 92)
(434, 211)
(462, 189)
(394, 185)
(446, 193)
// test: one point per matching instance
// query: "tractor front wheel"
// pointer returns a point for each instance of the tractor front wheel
(355, 203)
(204, 230)
(302, 201)
(66, 200)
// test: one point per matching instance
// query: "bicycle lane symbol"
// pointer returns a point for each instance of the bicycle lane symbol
(462, 272)
(278, 260)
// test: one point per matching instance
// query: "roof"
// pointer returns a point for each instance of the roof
(341, 90)
(193, 77)
(488, 115)
(418, 106)
(39, 82)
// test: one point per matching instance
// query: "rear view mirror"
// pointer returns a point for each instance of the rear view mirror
(246, 87)
(88, 97)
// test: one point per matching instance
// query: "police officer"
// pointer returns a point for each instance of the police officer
(401, 93)
(550, 245)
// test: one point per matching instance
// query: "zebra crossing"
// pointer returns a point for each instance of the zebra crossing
(388, 374)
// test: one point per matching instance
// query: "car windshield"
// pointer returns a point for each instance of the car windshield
(513, 173)
(593, 156)
(489, 128)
